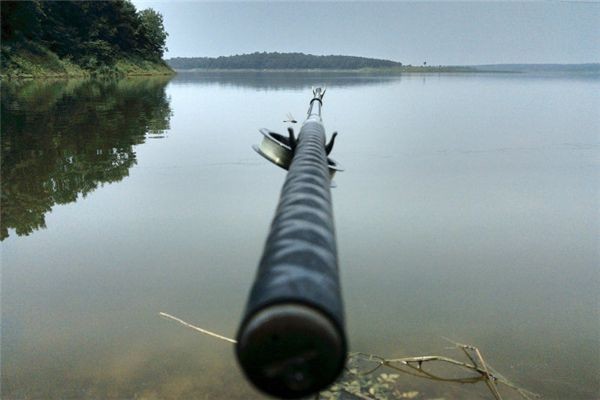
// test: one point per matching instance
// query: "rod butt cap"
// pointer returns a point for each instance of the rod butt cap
(290, 350)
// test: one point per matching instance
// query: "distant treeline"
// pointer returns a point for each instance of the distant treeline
(281, 61)
(86, 33)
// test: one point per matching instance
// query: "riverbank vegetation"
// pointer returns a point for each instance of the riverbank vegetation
(301, 62)
(72, 38)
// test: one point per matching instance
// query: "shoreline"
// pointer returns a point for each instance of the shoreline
(338, 71)
(51, 76)
(37, 62)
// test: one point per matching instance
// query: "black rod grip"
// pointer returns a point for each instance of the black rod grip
(292, 342)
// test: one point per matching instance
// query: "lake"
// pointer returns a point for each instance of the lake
(468, 209)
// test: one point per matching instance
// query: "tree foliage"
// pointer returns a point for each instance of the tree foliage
(280, 61)
(90, 33)
(151, 32)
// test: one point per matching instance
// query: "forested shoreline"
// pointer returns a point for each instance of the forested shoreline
(72, 38)
(275, 61)
(282, 61)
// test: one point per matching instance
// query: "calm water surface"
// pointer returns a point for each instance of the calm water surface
(468, 210)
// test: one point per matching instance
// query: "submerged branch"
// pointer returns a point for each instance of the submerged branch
(414, 364)
(196, 328)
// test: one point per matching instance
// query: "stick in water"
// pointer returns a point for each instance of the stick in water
(489, 379)
(196, 328)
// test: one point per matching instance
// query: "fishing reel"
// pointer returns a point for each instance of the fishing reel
(279, 149)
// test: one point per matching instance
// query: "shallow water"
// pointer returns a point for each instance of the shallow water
(468, 210)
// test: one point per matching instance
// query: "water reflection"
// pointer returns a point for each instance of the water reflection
(468, 209)
(283, 80)
(64, 139)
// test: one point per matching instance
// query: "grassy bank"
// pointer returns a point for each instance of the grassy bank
(31, 60)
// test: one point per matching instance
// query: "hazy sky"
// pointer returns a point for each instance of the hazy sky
(410, 32)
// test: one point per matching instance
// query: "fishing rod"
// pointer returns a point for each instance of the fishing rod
(291, 342)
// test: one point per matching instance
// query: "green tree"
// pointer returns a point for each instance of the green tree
(89, 33)
(21, 19)
(151, 33)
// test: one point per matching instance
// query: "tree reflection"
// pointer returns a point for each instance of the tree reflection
(282, 80)
(63, 139)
